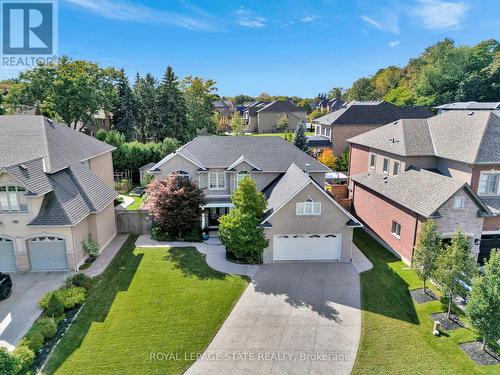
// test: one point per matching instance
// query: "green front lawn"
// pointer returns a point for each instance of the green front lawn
(155, 300)
(136, 205)
(397, 333)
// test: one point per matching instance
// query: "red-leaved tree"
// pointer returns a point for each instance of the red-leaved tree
(175, 205)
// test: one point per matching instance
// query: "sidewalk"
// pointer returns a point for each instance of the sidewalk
(359, 261)
(212, 248)
(107, 255)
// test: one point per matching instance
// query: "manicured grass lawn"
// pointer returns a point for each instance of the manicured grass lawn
(155, 300)
(136, 205)
(396, 333)
(282, 135)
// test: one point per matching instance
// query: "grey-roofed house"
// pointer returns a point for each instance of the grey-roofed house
(56, 189)
(358, 117)
(262, 117)
(468, 106)
(418, 166)
(303, 221)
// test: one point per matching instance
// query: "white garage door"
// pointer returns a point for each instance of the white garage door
(47, 253)
(7, 259)
(307, 247)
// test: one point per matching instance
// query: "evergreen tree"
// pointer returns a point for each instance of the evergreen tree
(172, 109)
(125, 112)
(300, 139)
(146, 94)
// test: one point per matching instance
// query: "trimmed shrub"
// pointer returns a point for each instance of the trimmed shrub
(158, 234)
(46, 326)
(69, 297)
(80, 280)
(54, 307)
(90, 246)
(24, 357)
(8, 363)
(33, 340)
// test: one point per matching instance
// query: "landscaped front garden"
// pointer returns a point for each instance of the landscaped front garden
(397, 332)
(149, 301)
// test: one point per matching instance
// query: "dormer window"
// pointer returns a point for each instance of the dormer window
(13, 199)
(308, 208)
(240, 176)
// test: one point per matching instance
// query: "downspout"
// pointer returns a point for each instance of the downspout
(414, 240)
(74, 249)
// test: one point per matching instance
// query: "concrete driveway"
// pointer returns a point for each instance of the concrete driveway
(295, 318)
(20, 310)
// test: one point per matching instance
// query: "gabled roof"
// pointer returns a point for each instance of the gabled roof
(455, 135)
(281, 106)
(282, 190)
(268, 154)
(58, 145)
(240, 160)
(470, 106)
(371, 113)
(416, 189)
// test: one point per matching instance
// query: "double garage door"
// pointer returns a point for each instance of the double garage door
(307, 247)
(46, 253)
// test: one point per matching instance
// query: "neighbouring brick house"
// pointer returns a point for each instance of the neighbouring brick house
(358, 117)
(446, 167)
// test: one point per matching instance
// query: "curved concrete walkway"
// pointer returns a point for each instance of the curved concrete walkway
(213, 250)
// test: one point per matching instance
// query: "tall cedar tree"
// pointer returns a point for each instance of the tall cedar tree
(300, 139)
(125, 112)
(454, 266)
(172, 109)
(175, 205)
(146, 94)
(483, 305)
(427, 250)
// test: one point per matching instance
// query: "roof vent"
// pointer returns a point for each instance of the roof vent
(50, 121)
(393, 140)
(23, 166)
(395, 122)
(307, 168)
(470, 113)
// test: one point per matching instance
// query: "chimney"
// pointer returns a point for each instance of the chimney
(307, 169)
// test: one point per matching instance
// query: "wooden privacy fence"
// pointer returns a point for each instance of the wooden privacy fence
(133, 222)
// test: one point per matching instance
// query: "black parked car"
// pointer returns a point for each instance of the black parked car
(5, 285)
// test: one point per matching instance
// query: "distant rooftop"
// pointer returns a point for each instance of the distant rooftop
(464, 106)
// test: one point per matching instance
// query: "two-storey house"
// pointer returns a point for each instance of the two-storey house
(262, 117)
(56, 189)
(446, 167)
(303, 221)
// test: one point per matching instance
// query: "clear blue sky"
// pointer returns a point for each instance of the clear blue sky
(289, 47)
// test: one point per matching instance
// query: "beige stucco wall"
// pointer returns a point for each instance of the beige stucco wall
(267, 121)
(102, 226)
(466, 219)
(178, 163)
(332, 220)
(456, 170)
(102, 166)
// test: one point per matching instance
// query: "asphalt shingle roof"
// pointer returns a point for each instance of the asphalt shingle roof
(269, 154)
(371, 113)
(281, 106)
(455, 135)
(424, 200)
(470, 106)
(58, 145)
(318, 141)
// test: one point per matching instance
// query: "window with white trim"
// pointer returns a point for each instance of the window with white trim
(308, 208)
(326, 131)
(385, 168)
(395, 168)
(240, 176)
(217, 180)
(488, 183)
(373, 161)
(13, 199)
(318, 130)
(396, 229)
(181, 174)
(459, 203)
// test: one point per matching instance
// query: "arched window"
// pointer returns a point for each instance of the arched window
(13, 199)
(240, 176)
(181, 174)
(308, 208)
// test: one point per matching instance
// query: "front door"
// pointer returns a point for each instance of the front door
(214, 214)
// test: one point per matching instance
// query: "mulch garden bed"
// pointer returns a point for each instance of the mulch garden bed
(419, 296)
(475, 352)
(447, 324)
(42, 354)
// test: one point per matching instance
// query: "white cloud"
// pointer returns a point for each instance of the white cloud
(437, 14)
(246, 18)
(387, 22)
(138, 13)
(308, 19)
(394, 43)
